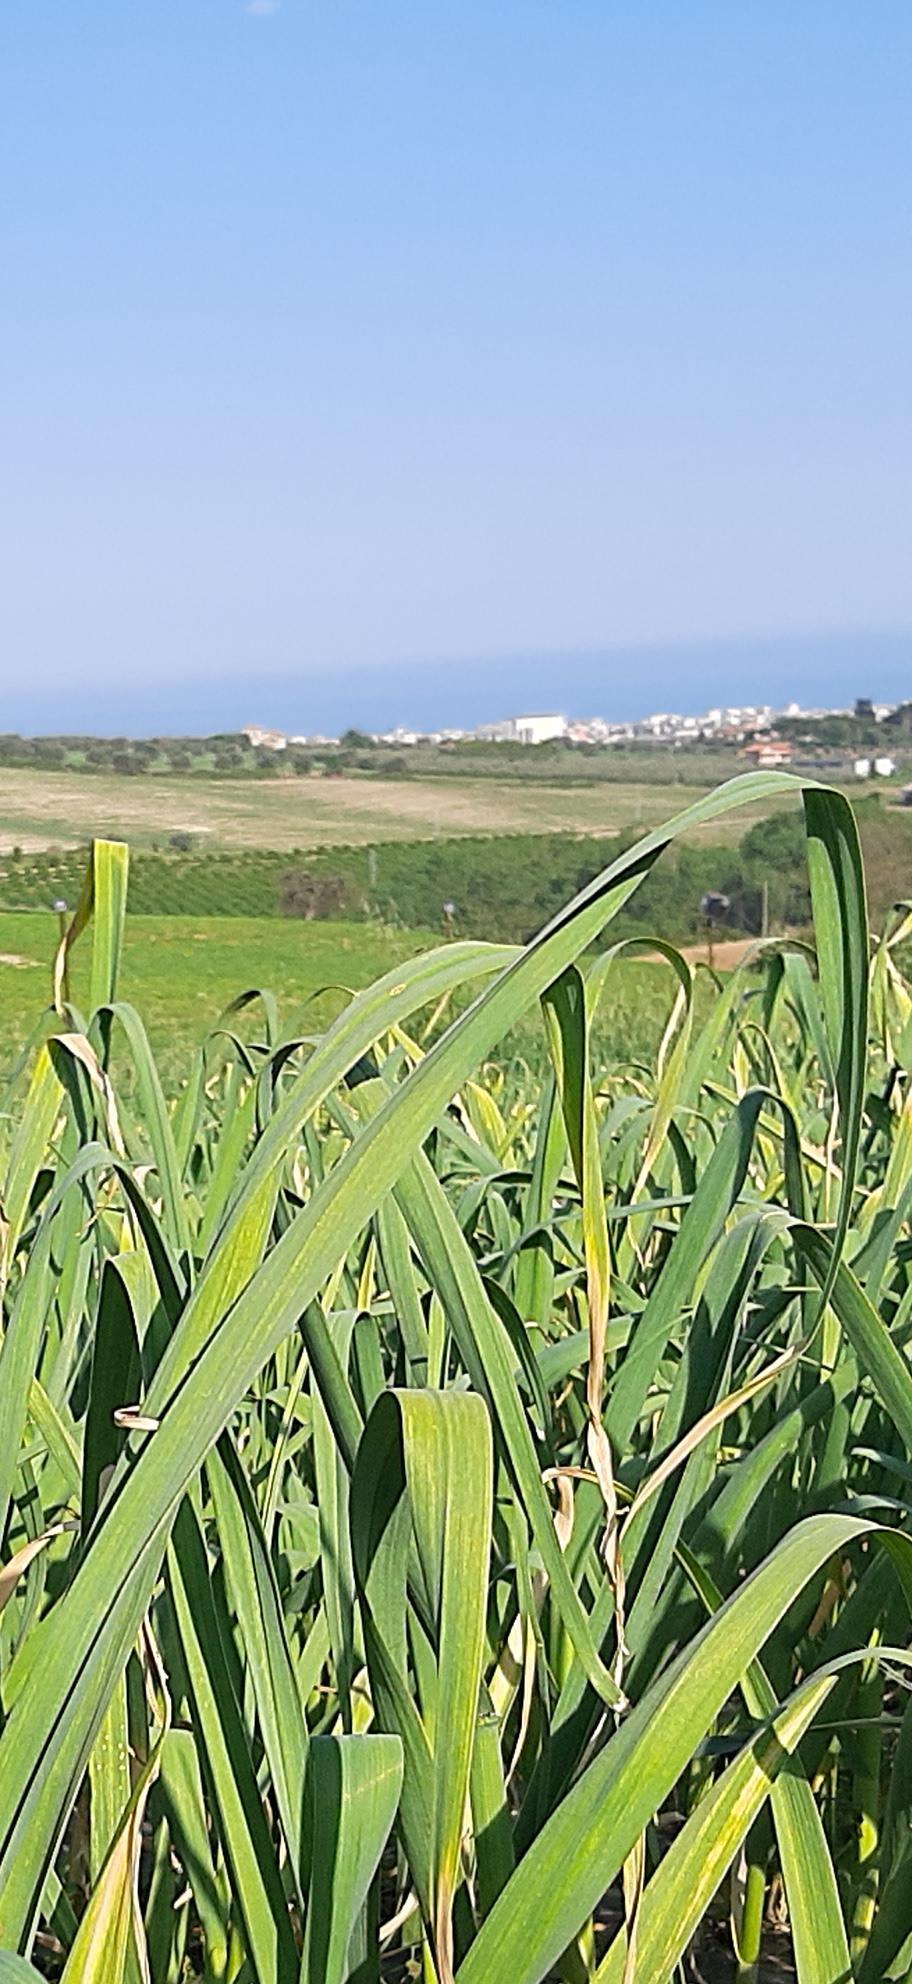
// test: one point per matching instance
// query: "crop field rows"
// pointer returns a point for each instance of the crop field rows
(455, 1513)
(396, 876)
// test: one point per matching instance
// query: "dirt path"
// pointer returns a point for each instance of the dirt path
(725, 956)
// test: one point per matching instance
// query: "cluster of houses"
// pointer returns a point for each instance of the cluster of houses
(750, 727)
(766, 753)
(547, 727)
(512, 730)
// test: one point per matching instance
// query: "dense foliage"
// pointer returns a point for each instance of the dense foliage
(502, 886)
(458, 1526)
(499, 886)
(851, 730)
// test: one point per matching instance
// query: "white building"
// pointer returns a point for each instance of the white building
(862, 768)
(266, 740)
(538, 729)
(885, 767)
(523, 730)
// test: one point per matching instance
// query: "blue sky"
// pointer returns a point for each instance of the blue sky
(361, 357)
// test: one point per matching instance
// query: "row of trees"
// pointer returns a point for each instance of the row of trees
(224, 756)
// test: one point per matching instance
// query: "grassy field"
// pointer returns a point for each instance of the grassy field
(40, 809)
(182, 971)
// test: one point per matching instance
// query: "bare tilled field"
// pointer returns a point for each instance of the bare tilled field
(42, 809)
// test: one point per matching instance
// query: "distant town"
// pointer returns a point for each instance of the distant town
(867, 741)
(766, 736)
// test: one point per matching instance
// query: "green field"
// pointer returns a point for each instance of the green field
(41, 809)
(182, 971)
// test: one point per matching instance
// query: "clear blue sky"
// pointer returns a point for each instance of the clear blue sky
(369, 355)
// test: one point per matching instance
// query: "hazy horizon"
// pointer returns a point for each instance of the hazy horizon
(618, 684)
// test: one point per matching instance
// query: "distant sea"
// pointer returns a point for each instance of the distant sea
(619, 683)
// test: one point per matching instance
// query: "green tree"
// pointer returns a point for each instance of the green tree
(773, 855)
